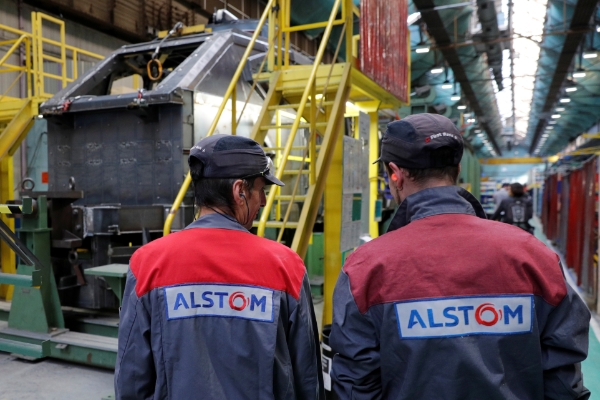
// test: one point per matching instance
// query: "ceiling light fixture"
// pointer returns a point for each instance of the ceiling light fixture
(555, 116)
(421, 50)
(552, 122)
(471, 120)
(565, 100)
(579, 74)
(412, 18)
(437, 70)
(455, 97)
(590, 54)
(459, 107)
(560, 109)
(446, 84)
(571, 89)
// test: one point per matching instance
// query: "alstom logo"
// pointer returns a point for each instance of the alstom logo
(210, 300)
(461, 316)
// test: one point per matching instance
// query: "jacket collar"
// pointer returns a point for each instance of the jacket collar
(217, 221)
(434, 201)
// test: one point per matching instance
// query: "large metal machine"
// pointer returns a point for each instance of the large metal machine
(125, 154)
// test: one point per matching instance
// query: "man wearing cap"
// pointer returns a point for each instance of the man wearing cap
(213, 311)
(449, 305)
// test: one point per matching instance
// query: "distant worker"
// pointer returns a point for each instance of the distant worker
(500, 195)
(214, 311)
(516, 209)
(448, 304)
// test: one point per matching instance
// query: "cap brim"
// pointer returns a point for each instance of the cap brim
(271, 180)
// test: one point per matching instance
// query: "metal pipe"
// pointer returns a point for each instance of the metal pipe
(213, 126)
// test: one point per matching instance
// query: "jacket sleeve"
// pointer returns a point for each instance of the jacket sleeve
(356, 371)
(135, 375)
(303, 345)
(564, 345)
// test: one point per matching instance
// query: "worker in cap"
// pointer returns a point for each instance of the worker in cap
(213, 311)
(447, 304)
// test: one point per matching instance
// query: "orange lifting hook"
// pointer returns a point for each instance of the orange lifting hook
(158, 67)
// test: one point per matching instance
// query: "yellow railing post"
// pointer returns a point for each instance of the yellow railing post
(284, 26)
(233, 110)
(7, 256)
(278, 160)
(349, 19)
(271, 50)
(373, 172)
(313, 134)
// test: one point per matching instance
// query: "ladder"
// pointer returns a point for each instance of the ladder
(317, 108)
(315, 97)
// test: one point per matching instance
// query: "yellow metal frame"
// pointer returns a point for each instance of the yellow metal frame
(17, 113)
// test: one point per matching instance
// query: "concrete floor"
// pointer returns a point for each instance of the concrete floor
(52, 380)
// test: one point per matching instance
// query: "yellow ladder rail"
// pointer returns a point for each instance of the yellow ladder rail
(286, 152)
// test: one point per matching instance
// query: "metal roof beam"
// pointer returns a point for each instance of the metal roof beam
(438, 31)
(579, 25)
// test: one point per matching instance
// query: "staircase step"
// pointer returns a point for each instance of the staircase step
(289, 126)
(298, 198)
(296, 105)
(278, 224)
(282, 148)
(292, 90)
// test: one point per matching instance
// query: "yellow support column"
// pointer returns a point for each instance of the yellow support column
(333, 224)
(7, 256)
(373, 172)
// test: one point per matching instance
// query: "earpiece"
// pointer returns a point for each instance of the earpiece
(394, 177)
(242, 195)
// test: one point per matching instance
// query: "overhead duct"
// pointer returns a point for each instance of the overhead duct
(486, 11)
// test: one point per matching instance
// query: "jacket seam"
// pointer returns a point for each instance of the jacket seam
(162, 353)
(127, 340)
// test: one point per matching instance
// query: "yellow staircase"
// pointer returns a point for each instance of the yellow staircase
(318, 108)
(39, 54)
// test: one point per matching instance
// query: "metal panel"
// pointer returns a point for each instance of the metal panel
(384, 53)
(136, 161)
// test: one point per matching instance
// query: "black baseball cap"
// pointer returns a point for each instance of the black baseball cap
(409, 142)
(236, 157)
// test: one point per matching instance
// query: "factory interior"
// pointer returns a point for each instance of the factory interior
(102, 100)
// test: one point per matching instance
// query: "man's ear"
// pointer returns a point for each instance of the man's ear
(399, 173)
(238, 187)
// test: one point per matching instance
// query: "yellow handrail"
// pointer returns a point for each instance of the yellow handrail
(288, 147)
(312, 142)
(213, 126)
